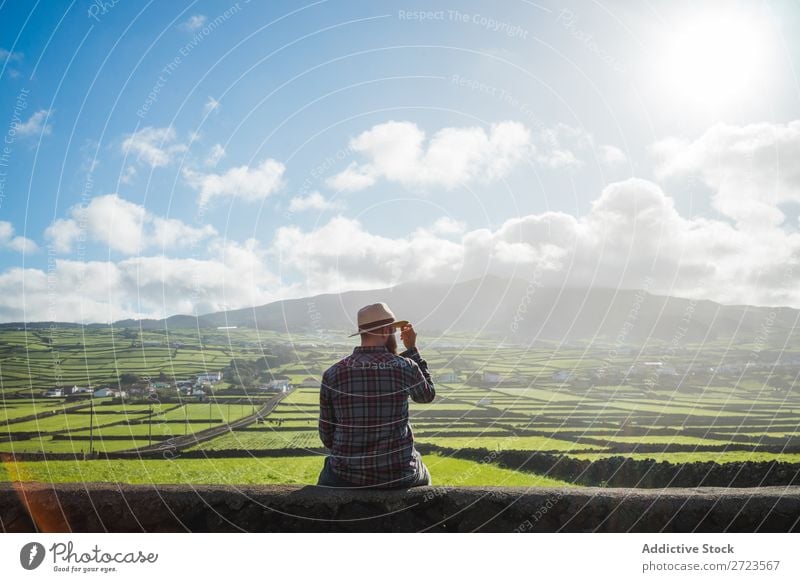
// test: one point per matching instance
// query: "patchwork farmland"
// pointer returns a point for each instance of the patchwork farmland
(503, 414)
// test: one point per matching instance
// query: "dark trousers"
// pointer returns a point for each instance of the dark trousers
(329, 478)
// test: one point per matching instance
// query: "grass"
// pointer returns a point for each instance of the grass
(681, 458)
(260, 440)
(45, 444)
(525, 443)
(260, 471)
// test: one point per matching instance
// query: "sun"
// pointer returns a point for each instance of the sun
(713, 60)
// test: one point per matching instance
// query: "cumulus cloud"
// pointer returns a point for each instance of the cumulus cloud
(447, 225)
(155, 146)
(442, 226)
(35, 124)
(750, 169)
(314, 201)
(20, 244)
(232, 276)
(342, 253)
(124, 226)
(631, 234)
(242, 182)
(397, 151)
(62, 234)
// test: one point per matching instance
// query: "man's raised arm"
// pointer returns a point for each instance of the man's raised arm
(421, 389)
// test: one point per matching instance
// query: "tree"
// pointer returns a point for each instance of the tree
(128, 379)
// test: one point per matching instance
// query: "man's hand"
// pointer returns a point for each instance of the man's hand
(409, 336)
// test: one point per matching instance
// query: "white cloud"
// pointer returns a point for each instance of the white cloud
(215, 155)
(397, 152)
(352, 178)
(128, 175)
(20, 244)
(567, 147)
(611, 155)
(750, 169)
(341, 254)
(116, 222)
(10, 55)
(168, 233)
(632, 232)
(62, 234)
(314, 201)
(558, 147)
(23, 245)
(446, 225)
(124, 226)
(211, 105)
(242, 182)
(556, 159)
(194, 22)
(232, 276)
(35, 124)
(155, 146)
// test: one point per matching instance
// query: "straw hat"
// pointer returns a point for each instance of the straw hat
(376, 315)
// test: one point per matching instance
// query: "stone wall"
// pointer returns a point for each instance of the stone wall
(109, 507)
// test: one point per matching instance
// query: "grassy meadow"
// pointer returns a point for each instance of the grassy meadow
(583, 401)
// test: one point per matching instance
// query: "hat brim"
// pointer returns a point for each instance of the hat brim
(398, 324)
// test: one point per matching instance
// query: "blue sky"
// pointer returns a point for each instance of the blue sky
(185, 157)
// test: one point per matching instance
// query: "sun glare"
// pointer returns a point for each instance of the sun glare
(714, 61)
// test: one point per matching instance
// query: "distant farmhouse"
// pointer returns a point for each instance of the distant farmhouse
(278, 385)
(209, 378)
(66, 391)
(106, 392)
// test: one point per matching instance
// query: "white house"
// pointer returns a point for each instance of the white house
(55, 392)
(103, 392)
(209, 377)
(277, 385)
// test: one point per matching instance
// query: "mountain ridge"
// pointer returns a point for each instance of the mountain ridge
(511, 307)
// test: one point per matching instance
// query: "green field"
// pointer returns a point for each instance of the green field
(679, 419)
(288, 470)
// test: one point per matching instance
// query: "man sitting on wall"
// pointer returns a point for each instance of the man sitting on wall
(363, 403)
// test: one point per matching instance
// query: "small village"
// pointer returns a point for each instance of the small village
(134, 388)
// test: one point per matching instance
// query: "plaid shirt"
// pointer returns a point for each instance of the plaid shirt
(363, 413)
